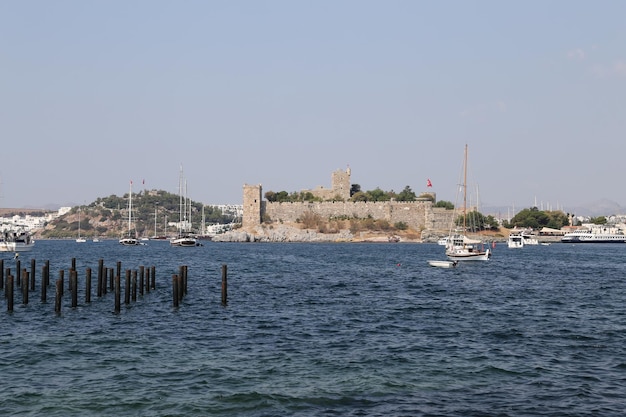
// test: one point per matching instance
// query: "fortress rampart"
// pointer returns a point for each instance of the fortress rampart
(418, 215)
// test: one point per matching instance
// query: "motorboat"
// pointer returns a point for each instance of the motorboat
(16, 239)
(515, 241)
(443, 264)
(184, 241)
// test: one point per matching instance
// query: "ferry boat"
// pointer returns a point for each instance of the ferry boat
(592, 236)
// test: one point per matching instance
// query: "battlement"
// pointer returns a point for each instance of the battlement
(418, 215)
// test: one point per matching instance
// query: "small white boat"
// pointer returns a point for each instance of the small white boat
(443, 264)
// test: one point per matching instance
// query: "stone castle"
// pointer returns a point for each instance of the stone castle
(419, 215)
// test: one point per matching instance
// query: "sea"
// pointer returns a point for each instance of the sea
(321, 329)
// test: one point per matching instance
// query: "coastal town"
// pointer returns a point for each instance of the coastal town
(34, 223)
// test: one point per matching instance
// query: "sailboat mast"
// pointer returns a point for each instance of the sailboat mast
(130, 206)
(186, 209)
(465, 190)
(180, 201)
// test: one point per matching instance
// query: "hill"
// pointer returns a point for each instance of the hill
(154, 211)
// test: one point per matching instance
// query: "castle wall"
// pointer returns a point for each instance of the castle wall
(418, 215)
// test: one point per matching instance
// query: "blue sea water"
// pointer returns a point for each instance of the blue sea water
(324, 330)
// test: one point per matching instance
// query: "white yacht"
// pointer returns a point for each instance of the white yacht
(16, 239)
(515, 241)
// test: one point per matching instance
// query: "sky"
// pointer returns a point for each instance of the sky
(95, 94)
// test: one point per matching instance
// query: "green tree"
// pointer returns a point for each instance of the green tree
(359, 196)
(406, 195)
(536, 219)
(598, 220)
(377, 195)
(444, 204)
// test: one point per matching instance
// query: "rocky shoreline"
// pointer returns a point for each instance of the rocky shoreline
(284, 233)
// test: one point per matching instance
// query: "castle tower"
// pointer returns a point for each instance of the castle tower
(340, 183)
(251, 206)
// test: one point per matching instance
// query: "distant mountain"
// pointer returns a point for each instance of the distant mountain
(597, 208)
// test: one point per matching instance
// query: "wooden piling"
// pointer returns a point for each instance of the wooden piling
(111, 279)
(127, 288)
(73, 264)
(24, 286)
(147, 280)
(74, 280)
(224, 284)
(62, 278)
(141, 277)
(44, 287)
(88, 285)
(32, 275)
(119, 269)
(182, 275)
(8, 273)
(47, 265)
(134, 285)
(9, 293)
(58, 295)
(18, 271)
(117, 294)
(181, 290)
(100, 275)
(153, 274)
(175, 281)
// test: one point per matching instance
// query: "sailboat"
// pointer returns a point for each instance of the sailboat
(459, 247)
(130, 240)
(184, 238)
(79, 239)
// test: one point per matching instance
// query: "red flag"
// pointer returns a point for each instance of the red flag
(428, 183)
(131, 182)
(143, 182)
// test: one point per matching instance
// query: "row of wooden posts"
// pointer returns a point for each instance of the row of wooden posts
(108, 278)
(179, 285)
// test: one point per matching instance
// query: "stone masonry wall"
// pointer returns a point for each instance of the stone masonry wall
(418, 215)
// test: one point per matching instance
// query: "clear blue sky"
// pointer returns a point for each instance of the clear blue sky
(96, 93)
